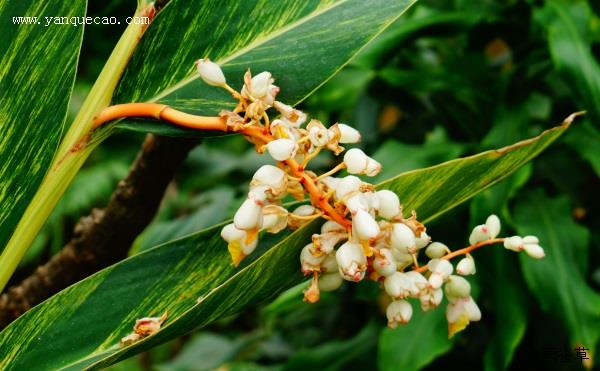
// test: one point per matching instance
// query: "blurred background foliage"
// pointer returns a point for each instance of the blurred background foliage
(450, 78)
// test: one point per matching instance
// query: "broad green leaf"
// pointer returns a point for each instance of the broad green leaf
(447, 23)
(415, 345)
(172, 276)
(558, 281)
(585, 139)
(334, 355)
(303, 43)
(35, 96)
(76, 144)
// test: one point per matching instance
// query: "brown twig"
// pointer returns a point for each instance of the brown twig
(103, 237)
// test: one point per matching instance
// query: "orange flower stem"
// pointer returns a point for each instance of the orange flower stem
(175, 117)
(159, 112)
(463, 251)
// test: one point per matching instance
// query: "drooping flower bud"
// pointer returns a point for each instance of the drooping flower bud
(373, 167)
(282, 149)
(238, 243)
(436, 250)
(418, 283)
(348, 134)
(356, 161)
(440, 270)
(493, 225)
(271, 176)
(351, 261)
(275, 218)
(466, 266)
(330, 281)
(356, 203)
(329, 264)
(293, 116)
(365, 227)
(260, 84)
(431, 298)
(402, 237)
(514, 243)
(384, 264)
(210, 72)
(389, 204)
(457, 288)
(347, 186)
(398, 312)
(310, 263)
(534, 250)
(459, 313)
(397, 285)
(479, 234)
(248, 216)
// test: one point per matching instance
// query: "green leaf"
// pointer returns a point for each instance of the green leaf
(415, 345)
(585, 139)
(334, 355)
(303, 43)
(558, 281)
(35, 97)
(170, 277)
(571, 54)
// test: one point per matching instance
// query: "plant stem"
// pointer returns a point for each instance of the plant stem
(464, 251)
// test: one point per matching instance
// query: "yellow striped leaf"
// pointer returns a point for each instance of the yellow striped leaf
(193, 281)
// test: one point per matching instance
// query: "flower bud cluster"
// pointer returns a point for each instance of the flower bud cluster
(366, 235)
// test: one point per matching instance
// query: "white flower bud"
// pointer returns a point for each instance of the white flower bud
(431, 298)
(372, 200)
(397, 285)
(356, 161)
(479, 234)
(384, 264)
(440, 271)
(304, 210)
(457, 288)
(274, 218)
(348, 134)
(403, 259)
(331, 182)
(319, 136)
(210, 72)
(466, 266)
(418, 283)
(282, 149)
(514, 243)
(293, 116)
(248, 216)
(398, 312)
(402, 237)
(389, 204)
(373, 167)
(436, 250)
(365, 227)
(329, 264)
(493, 225)
(351, 261)
(533, 240)
(356, 203)
(331, 226)
(422, 241)
(310, 263)
(260, 84)
(233, 235)
(534, 250)
(346, 186)
(330, 281)
(326, 242)
(271, 176)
